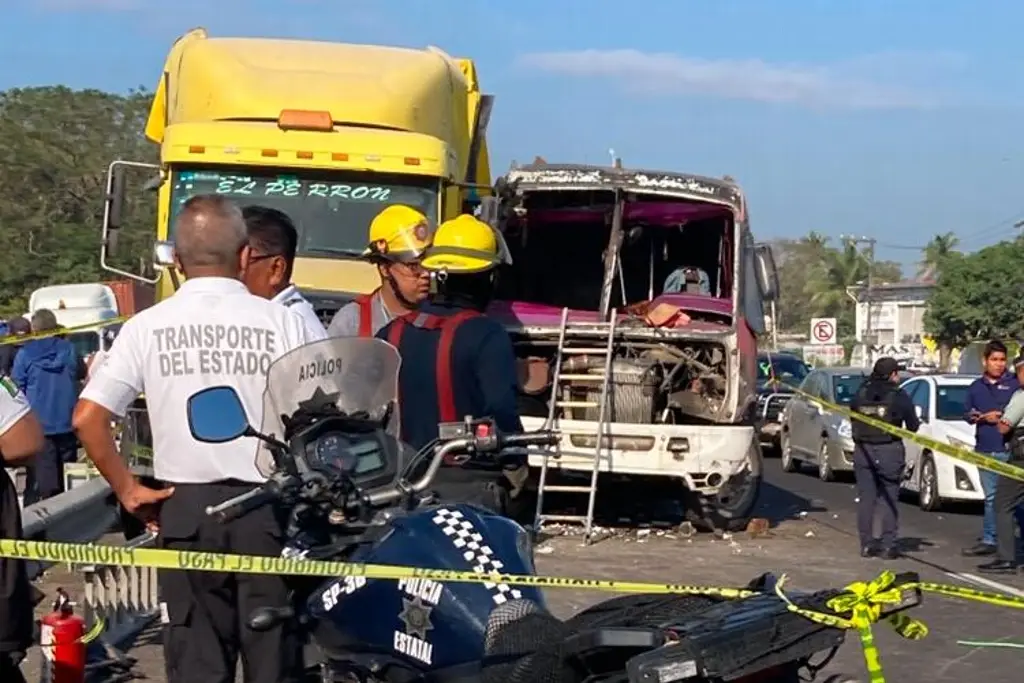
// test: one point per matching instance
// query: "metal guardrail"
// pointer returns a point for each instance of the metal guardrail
(126, 599)
(81, 515)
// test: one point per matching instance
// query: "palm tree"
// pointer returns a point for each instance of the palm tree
(841, 269)
(935, 253)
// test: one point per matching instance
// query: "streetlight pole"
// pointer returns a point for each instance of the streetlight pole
(870, 258)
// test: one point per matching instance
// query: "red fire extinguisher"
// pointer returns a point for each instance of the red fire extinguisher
(61, 639)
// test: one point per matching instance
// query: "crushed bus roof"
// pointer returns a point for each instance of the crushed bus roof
(584, 177)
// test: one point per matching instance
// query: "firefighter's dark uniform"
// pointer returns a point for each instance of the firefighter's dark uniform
(879, 457)
(456, 362)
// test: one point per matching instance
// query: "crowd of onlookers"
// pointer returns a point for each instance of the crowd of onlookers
(48, 370)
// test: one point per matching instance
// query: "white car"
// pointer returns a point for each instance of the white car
(936, 478)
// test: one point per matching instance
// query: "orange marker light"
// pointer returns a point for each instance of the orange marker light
(412, 161)
(302, 119)
(196, 149)
(304, 155)
(339, 156)
(269, 152)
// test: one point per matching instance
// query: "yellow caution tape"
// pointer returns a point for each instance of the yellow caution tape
(862, 602)
(16, 339)
(957, 452)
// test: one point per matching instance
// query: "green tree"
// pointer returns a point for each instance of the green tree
(977, 297)
(55, 147)
(817, 279)
(840, 274)
(936, 253)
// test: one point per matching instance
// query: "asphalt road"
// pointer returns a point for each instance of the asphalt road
(813, 540)
(928, 538)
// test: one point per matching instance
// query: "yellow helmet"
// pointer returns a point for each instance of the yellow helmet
(398, 233)
(466, 244)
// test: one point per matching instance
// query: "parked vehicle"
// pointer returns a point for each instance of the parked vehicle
(777, 374)
(934, 477)
(812, 433)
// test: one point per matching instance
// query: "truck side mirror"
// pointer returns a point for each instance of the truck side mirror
(114, 214)
(115, 197)
(767, 273)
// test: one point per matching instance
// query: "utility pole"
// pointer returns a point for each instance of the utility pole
(870, 258)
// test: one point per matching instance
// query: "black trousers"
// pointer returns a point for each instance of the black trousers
(1009, 495)
(878, 469)
(206, 612)
(44, 478)
(10, 667)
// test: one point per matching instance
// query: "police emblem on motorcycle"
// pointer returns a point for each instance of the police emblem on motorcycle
(319, 400)
(415, 616)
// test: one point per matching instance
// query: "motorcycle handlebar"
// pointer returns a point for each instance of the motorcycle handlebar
(261, 495)
(463, 444)
(233, 508)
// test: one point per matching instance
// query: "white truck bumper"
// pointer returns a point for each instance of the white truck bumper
(703, 456)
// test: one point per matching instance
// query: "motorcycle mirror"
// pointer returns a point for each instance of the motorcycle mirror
(216, 415)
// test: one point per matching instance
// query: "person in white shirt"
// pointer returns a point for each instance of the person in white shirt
(273, 240)
(21, 440)
(212, 332)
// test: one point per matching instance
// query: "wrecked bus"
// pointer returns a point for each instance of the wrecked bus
(635, 300)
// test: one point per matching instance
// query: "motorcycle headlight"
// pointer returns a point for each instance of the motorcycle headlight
(845, 429)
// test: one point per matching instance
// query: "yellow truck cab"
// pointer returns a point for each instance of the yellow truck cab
(329, 133)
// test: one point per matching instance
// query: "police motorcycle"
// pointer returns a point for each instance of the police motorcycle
(328, 445)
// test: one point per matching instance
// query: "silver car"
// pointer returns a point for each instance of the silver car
(814, 434)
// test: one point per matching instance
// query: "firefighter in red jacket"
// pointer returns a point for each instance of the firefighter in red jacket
(398, 237)
(457, 362)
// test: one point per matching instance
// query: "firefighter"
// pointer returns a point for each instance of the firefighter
(398, 236)
(451, 345)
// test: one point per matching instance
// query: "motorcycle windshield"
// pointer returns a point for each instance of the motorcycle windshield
(356, 374)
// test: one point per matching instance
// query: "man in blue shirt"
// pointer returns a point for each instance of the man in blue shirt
(458, 362)
(48, 371)
(987, 398)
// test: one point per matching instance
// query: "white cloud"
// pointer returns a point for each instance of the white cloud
(857, 84)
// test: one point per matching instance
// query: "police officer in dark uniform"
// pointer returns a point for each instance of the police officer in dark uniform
(458, 362)
(879, 457)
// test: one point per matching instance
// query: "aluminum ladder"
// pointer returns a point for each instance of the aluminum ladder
(556, 403)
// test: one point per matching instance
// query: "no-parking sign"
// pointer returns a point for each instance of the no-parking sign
(823, 330)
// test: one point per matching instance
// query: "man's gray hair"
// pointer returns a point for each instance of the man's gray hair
(44, 320)
(209, 233)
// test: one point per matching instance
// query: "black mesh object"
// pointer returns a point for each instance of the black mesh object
(644, 611)
(535, 639)
(524, 646)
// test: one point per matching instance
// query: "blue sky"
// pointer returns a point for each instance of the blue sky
(896, 119)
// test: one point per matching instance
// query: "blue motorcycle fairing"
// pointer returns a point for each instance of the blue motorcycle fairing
(428, 624)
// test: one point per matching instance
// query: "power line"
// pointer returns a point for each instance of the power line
(1005, 226)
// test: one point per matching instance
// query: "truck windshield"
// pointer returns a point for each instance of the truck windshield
(332, 211)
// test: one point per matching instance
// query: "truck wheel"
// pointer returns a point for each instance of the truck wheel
(733, 506)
